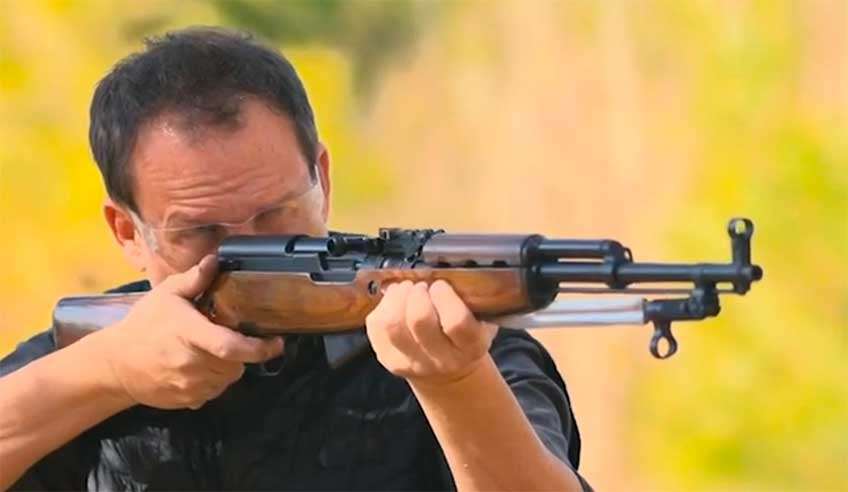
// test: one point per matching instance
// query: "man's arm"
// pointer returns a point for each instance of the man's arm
(429, 336)
(487, 439)
(164, 354)
(51, 401)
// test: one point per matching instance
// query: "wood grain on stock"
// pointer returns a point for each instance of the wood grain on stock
(76, 317)
(280, 302)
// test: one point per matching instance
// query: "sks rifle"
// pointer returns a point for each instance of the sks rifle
(270, 285)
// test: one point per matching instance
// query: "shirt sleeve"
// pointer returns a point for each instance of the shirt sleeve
(66, 467)
(530, 372)
(26, 352)
(58, 470)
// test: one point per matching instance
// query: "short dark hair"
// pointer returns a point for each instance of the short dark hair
(202, 73)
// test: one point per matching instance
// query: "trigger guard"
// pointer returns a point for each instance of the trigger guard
(266, 369)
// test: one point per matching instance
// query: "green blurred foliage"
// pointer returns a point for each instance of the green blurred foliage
(764, 400)
(370, 33)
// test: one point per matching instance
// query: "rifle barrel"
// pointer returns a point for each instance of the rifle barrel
(629, 273)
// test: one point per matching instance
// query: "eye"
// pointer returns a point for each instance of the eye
(274, 215)
(210, 230)
(199, 233)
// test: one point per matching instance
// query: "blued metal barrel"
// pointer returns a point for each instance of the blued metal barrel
(628, 273)
(579, 248)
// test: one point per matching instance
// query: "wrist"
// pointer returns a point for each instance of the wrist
(97, 354)
(470, 377)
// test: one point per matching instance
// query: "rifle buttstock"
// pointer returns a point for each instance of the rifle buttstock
(76, 317)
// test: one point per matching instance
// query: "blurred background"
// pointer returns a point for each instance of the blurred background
(652, 122)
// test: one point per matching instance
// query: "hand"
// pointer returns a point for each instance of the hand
(166, 354)
(427, 334)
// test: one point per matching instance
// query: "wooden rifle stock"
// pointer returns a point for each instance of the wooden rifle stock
(272, 303)
(76, 317)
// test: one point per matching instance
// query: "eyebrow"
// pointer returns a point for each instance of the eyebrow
(180, 219)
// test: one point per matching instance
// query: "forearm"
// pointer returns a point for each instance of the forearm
(488, 441)
(49, 402)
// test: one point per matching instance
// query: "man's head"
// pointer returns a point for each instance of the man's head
(206, 133)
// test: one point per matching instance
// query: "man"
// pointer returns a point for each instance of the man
(206, 134)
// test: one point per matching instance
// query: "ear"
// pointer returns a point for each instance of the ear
(123, 229)
(324, 175)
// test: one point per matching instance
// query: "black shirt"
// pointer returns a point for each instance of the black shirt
(332, 418)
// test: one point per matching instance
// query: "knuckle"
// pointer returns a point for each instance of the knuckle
(405, 369)
(457, 330)
(214, 391)
(419, 317)
(452, 326)
(439, 288)
(461, 321)
(375, 319)
(440, 366)
(182, 385)
(222, 350)
(384, 360)
(195, 403)
(421, 368)
(218, 392)
(467, 318)
(390, 362)
(237, 372)
(391, 289)
(395, 332)
(181, 360)
(183, 363)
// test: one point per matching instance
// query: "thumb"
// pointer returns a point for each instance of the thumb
(194, 281)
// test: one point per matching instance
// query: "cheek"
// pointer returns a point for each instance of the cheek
(157, 270)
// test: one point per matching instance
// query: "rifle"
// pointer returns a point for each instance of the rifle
(270, 285)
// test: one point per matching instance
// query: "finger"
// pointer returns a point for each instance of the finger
(389, 323)
(458, 322)
(423, 323)
(215, 390)
(222, 370)
(230, 345)
(390, 307)
(395, 306)
(194, 281)
(209, 392)
(212, 388)
(196, 405)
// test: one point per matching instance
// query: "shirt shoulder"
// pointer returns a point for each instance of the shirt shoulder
(531, 373)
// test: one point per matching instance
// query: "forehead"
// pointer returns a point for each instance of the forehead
(217, 172)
